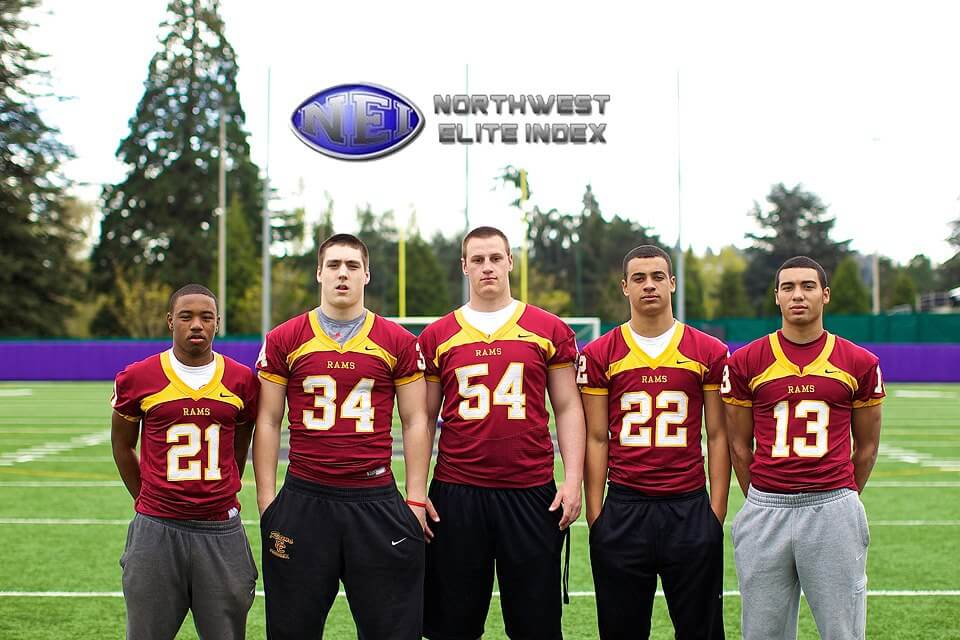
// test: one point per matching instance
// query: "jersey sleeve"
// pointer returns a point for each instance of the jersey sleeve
(734, 384)
(427, 345)
(592, 375)
(565, 342)
(272, 361)
(716, 363)
(125, 400)
(250, 397)
(410, 362)
(869, 387)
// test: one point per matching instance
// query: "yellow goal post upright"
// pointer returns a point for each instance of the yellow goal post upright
(586, 328)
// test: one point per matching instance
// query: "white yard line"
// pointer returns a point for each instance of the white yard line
(15, 393)
(926, 593)
(902, 454)
(50, 448)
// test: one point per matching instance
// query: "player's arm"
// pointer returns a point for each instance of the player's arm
(740, 437)
(123, 437)
(595, 460)
(434, 401)
(241, 444)
(266, 441)
(865, 425)
(718, 452)
(417, 445)
(571, 437)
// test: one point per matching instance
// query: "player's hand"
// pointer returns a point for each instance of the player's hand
(421, 514)
(263, 503)
(568, 495)
(720, 512)
(431, 512)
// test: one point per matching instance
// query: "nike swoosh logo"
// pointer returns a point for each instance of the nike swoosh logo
(225, 395)
(682, 361)
(525, 335)
(831, 371)
(396, 542)
(370, 348)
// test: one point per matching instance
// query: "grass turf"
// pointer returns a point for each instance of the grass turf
(56, 434)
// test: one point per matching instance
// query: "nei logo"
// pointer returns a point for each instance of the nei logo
(357, 121)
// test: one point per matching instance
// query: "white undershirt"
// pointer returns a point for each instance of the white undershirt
(193, 377)
(488, 322)
(653, 347)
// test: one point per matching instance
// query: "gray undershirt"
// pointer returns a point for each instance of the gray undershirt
(341, 331)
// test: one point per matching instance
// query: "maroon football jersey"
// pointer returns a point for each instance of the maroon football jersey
(655, 406)
(494, 410)
(340, 398)
(187, 465)
(801, 414)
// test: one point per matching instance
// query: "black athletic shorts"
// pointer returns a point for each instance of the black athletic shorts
(638, 537)
(315, 536)
(482, 530)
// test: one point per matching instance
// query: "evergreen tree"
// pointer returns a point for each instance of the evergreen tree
(848, 294)
(38, 273)
(904, 291)
(732, 300)
(921, 271)
(427, 293)
(161, 215)
(693, 288)
(795, 224)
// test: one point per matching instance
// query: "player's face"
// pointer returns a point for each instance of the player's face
(342, 276)
(649, 286)
(800, 296)
(193, 323)
(487, 265)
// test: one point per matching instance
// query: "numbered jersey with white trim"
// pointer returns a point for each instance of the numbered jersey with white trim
(187, 465)
(655, 406)
(801, 414)
(494, 413)
(340, 399)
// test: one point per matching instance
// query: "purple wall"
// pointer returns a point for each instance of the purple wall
(101, 360)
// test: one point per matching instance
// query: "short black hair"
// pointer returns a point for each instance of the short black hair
(647, 251)
(348, 240)
(483, 232)
(190, 289)
(802, 262)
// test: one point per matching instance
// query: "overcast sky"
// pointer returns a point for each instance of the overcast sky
(858, 101)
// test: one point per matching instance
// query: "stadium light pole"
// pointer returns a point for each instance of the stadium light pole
(680, 258)
(265, 232)
(465, 285)
(524, 279)
(222, 226)
(402, 272)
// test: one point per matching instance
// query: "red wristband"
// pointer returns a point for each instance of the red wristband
(414, 503)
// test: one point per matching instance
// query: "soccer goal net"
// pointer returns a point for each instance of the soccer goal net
(587, 329)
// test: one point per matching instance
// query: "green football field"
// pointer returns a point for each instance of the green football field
(63, 518)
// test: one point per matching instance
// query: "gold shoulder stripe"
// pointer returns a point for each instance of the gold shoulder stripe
(169, 393)
(594, 391)
(560, 365)
(370, 348)
(126, 417)
(433, 379)
(739, 403)
(711, 387)
(272, 377)
(458, 339)
(872, 402)
(399, 382)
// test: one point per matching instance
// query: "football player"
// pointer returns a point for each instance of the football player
(493, 499)
(793, 400)
(647, 386)
(339, 516)
(192, 410)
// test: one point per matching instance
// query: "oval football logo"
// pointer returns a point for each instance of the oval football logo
(357, 121)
